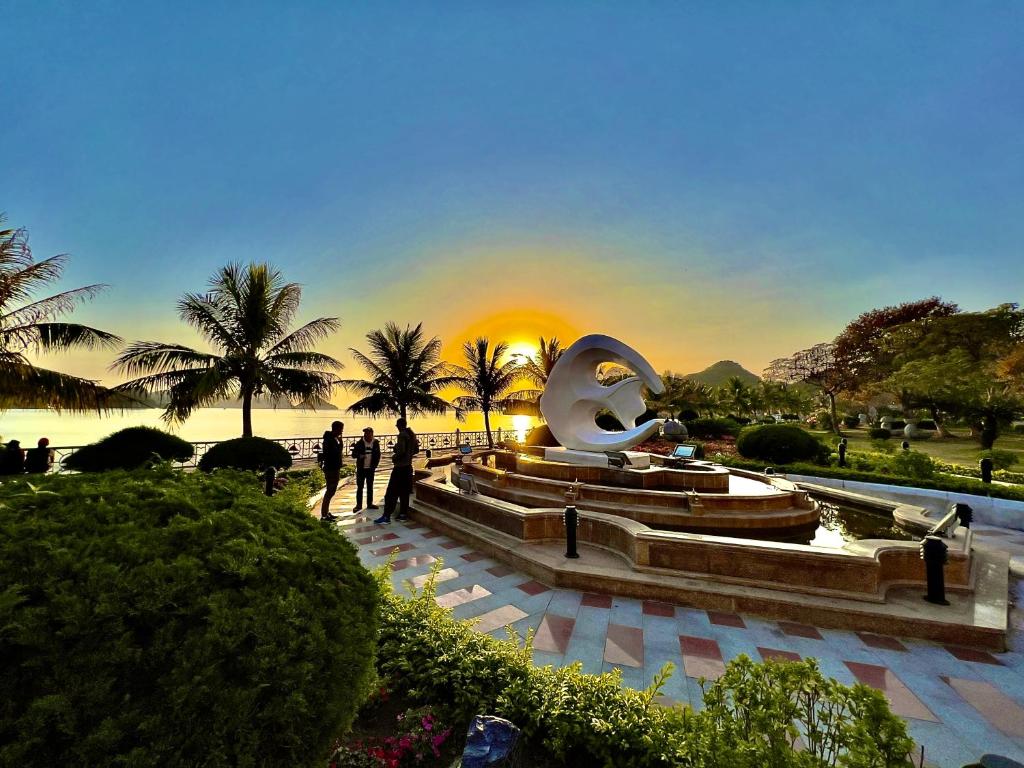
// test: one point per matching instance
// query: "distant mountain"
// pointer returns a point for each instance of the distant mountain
(721, 372)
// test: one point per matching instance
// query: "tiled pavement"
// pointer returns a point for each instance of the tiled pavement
(958, 702)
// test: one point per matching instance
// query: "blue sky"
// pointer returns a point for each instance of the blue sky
(704, 180)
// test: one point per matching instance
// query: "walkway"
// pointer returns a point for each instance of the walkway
(958, 702)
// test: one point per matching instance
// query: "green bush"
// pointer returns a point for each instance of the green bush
(927, 424)
(851, 422)
(936, 482)
(878, 433)
(913, 464)
(779, 443)
(750, 717)
(130, 448)
(1000, 459)
(246, 453)
(162, 618)
(1018, 429)
(823, 420)
(712, 428)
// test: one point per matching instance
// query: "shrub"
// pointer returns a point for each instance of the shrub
(688, 414)
(749, 718)
(711, 428)
(541, 436)
(741, 420)
(823, 420)
(130, 448)
(1000, 459)
(168, 618)
(878, 433)
(851, 422)
(1018, 429)
(790, 417)
(779, 443)
(246, 453)
(927, 424)
(913, 464)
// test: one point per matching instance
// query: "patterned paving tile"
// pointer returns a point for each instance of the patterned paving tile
(472, 557)
(432, 535)
(725, 619)
(701, 657)
(461, 596)
(497, 618)
(777, 655)
(445, 574)
(799, 630)
(411, 562)
(624, 645)
(500, 570)
(995, 706)
(653, 608)
(374, 539)
(554, 633)
(533, 587)
(884, 642)
(901, 700)
(451, 544)
(591, 600)
(973, 654)
(392, 549)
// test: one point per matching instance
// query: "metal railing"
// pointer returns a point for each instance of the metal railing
(308, 448)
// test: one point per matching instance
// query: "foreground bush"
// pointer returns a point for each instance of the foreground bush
(751, 719)
(879, 433)
(779, 443)
(161, 618)
(130, 448)
(254, 453)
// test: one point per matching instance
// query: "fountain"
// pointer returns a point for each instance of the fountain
(690, 531)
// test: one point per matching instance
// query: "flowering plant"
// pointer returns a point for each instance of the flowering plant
(418, 742)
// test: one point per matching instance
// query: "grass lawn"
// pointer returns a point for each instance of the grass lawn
(957, 449)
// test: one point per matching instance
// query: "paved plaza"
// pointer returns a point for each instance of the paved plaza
(958, 702)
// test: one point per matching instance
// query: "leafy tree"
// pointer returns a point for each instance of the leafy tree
(245, 317)
(536, 369)
(817, 366)
(488, 380)
(30, 324)
(405, 374)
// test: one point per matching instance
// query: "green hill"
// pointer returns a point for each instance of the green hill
(721, 372)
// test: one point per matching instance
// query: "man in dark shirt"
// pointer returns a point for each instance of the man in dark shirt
(39, 459)
(366, 452)
(400, 482)
(332, 468)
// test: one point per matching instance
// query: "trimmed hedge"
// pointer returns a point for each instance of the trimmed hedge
(711, 428)
(779, 443)
(254, 453)
(936, 482)
(878, 433)
(130, 448)
(163, 618)
(749, 718)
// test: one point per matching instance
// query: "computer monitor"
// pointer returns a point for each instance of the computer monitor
(465, 450)
(684, 451)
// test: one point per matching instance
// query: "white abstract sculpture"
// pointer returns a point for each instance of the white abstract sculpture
(573, 396)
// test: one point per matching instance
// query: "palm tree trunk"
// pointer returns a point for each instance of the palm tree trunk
(487, 426)
(246, 412)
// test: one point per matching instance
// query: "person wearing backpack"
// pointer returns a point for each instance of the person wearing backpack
(400, 482)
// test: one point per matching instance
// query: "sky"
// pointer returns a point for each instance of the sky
(704, 181)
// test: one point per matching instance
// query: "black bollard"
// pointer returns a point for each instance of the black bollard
(906, 445)
(986, 470)
(842, 452)
(933, 552)
(769, 470)
(571, 520)
(964, 514)
(268, 477)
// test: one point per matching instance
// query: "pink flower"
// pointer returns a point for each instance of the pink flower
(427, 724)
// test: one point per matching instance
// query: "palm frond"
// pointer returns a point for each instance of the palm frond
(304, 360)
(50, 307)
(143, 357)
(28, 386)
(306, 337)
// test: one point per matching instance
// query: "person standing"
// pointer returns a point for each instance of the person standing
(332, 468)
(400, 482)
(366, 452)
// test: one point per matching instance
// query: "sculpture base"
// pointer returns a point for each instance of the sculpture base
(637, 459)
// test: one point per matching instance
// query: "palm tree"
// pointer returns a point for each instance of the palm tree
(736, 396)
(245, 317)
(536, 369)
(29, 324)
(488, 380)
(406, 373)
